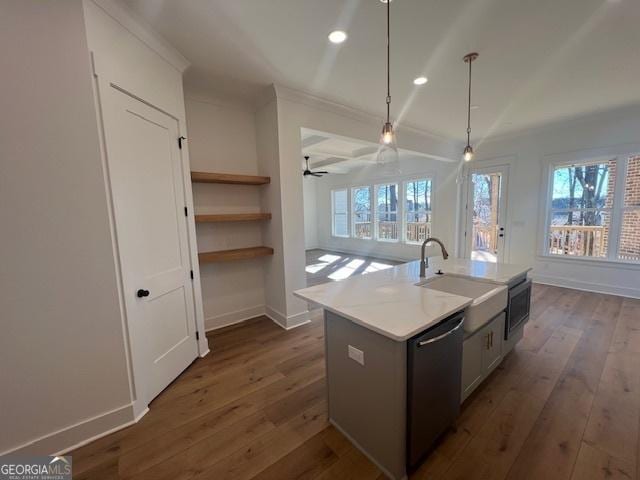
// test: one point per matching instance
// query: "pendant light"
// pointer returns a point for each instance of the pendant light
(388, 150)
(467, 154)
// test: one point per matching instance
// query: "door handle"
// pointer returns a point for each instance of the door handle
(142, 293)
(440, 337)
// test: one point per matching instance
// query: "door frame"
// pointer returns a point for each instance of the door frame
(135, 362)
(466, 213)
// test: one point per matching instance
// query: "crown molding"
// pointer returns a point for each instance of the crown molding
(126, 17)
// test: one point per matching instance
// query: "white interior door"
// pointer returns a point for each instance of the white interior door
(486, 213)
(145, 168)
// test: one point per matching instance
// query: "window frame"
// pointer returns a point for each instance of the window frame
(371, 213)
(621, 155)
(398, 211)
(405, 211)
(333, 212)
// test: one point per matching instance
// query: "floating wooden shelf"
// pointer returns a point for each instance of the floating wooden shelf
(232, 217)
(236, 254)
(229, 178)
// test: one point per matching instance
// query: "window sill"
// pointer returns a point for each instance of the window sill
(594, 262)
(340, 236)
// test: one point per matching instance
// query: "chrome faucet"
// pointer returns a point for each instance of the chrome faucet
(424, 261)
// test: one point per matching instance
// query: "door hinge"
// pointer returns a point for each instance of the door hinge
(180, 140)
(186, 212)
(191, 274)
(197, 335)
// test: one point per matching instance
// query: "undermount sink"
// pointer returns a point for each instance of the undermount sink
(488, 299)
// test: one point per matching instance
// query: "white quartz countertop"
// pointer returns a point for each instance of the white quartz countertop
(390, 303)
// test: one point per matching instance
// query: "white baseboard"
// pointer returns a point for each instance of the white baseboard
(231, 318)
(585, 286)
(285, 322)
(240, 316)
(79, 434)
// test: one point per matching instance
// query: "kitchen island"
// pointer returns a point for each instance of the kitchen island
(400, 358)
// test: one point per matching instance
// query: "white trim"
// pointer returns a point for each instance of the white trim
(285, 322)
(79, 433)
(585, 286)
(489, 166)
(621, 154)
(143, 32)
(333, 213)
(231, 318)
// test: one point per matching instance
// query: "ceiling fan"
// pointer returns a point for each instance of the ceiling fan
(309, 172)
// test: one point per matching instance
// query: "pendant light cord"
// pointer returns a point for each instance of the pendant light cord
(388, 62)
(469, 106)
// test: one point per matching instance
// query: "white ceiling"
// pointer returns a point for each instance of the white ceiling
(540, 60)
(336, 154)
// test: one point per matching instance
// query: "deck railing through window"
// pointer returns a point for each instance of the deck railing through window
(416, 231)
(485, 238)
(577, 240)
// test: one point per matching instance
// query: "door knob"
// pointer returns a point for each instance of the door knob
(142, 293)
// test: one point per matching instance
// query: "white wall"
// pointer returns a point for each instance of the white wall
(312, 217)
(444, 204)
(222, 138)
(62, 346)
(526, 153)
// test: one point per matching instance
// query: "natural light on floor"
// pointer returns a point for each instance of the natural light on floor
(325, 259)
(376, 267)
(347, 270)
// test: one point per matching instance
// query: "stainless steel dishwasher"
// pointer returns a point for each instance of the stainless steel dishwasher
(434, 376)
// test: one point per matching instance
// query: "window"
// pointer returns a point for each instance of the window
(593, 213)
(629, 242)
(361, 201)
(387, 212)
(340, 212)
(417, 210)
(581, 201)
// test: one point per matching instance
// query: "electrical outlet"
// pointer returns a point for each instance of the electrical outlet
(356, 354)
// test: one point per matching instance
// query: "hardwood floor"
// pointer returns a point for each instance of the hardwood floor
(565, 404)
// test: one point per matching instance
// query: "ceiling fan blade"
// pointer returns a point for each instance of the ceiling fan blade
(322, 171)
(316, 174)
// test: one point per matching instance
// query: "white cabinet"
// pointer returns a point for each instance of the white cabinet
(481, 354)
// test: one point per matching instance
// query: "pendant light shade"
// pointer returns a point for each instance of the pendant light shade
(467, 154)
(388, 150)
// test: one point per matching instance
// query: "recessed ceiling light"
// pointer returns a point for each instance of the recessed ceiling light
(337, 36)
(386, 1)
(475, 107)
(420, 80)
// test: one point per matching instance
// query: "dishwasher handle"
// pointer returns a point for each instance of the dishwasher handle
(440, 337)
